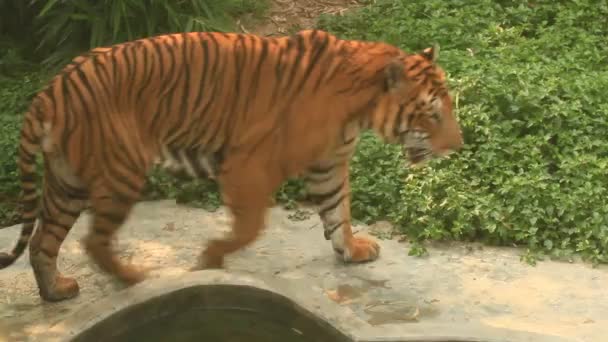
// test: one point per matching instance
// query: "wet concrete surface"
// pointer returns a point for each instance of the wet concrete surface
(454, 287)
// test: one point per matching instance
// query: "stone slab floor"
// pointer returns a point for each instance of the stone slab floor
(455, 284)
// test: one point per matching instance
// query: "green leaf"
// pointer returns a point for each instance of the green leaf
(47, 7)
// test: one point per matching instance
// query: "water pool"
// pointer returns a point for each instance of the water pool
(211, 313)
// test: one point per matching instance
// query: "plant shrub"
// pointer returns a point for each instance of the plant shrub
(529, 80)
(14, 98)
(58, 30)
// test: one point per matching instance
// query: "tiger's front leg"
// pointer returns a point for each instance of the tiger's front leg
(329, 188)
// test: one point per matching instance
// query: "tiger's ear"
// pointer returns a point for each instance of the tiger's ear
(394, 75)
(431, 53)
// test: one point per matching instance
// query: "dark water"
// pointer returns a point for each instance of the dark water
(214, 314)
(224, 326)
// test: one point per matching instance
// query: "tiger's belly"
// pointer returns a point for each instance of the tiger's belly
(193, 163)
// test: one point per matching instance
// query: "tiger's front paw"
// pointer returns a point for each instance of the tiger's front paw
(363, 249)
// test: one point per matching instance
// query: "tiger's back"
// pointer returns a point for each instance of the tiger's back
(201, 90)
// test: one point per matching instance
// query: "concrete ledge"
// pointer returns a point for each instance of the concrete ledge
(307, 310)
(460, 292)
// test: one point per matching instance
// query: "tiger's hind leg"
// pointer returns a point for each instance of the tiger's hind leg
(110, 211)
(329, 187)
(63, 199)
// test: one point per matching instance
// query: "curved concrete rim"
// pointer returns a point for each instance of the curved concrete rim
(304, 297)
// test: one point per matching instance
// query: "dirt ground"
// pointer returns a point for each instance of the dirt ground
(288, 16)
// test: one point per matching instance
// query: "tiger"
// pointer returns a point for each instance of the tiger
(246, 111)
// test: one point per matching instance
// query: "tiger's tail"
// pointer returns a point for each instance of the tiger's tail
(31, 136)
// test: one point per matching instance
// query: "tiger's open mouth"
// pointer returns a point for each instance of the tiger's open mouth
(417, 156)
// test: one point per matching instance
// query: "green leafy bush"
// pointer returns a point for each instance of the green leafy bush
(58, 29)
(529, 80)
(14, 97)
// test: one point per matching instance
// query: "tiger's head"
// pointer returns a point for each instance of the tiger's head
(415, 108)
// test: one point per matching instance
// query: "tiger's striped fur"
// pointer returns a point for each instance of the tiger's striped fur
(245, 110)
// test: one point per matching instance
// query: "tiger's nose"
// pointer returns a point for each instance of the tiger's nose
(448, 143)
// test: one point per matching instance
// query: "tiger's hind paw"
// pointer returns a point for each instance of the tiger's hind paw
(131, 275)
(64, 288)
